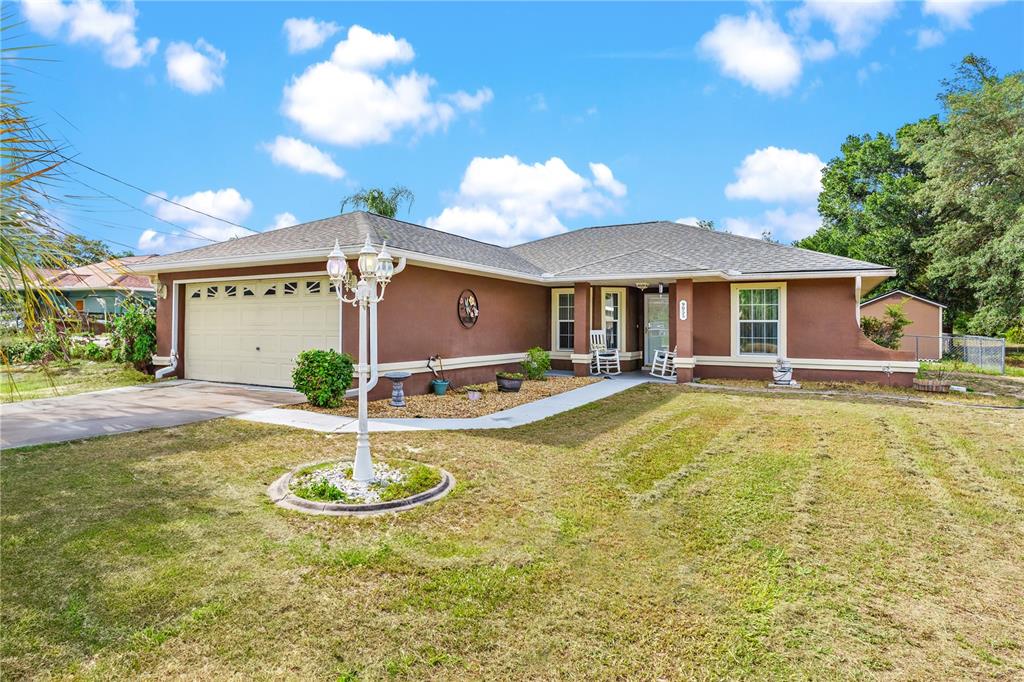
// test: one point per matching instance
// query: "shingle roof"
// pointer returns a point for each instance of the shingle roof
(351, 229)
(593, 252)
(115, 273)
(706, 249)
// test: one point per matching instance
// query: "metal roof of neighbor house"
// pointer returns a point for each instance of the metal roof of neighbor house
(116, 273)
(593, 252)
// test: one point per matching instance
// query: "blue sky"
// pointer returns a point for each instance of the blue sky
(508, 121)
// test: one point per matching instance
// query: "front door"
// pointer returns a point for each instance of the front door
(655, 325)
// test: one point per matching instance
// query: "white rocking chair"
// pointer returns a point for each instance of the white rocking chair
(663, 365)
(602, 359)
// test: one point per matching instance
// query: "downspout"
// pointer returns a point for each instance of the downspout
(856, 292)
(173, 367)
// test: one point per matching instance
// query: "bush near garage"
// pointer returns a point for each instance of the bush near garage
(322, 376)
(537, 363)
(133, 336)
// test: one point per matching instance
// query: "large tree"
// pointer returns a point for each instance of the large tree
(869, 209)
(974, 191)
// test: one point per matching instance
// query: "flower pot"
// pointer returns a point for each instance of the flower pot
(474, 395)
(440, 386)
(782, 372)
(932, 385)
(506, 385)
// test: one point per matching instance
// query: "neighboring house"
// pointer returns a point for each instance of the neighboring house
(99, 289)
(923, 336)
(241, 310)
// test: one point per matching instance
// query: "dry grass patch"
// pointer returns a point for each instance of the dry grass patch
(456, 403)
(661, 533)
(29, 382)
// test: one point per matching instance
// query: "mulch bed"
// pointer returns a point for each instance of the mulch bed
(456, 404)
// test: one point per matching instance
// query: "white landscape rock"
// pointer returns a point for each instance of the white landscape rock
(340, 476)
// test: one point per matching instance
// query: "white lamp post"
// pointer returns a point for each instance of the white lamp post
(375, 273)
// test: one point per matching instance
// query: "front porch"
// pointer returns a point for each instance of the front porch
(636, 320)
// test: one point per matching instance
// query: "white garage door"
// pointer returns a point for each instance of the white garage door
(249, 331)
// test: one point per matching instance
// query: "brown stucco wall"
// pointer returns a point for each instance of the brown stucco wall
(923, 335)
(710, 312)
(417, 318)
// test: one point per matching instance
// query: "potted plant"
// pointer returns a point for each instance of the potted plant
(510, 382)
(474, 392)
(438, 384)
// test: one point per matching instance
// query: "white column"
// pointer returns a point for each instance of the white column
(362, 469)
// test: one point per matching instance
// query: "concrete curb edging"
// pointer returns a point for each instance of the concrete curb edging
(281, 495)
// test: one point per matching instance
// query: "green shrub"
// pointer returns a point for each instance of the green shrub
(321, 490)
(322, 376)
(133, 334)
(511, 375)
(55, 340)
(886, 332)
(34, 352)
(418, 478)
(1015, 335)
(537, 363)
(12, 351)
(96, 352)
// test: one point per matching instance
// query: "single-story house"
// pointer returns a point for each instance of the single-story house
(923, 336)
(241, 310)
(99, 289)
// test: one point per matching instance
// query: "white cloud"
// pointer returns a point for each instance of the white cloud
(755, 51)
(865, 72)
(505, 201)
(774, 174)
(785, 226)
(464, 101)
(368, 51)
(538, 102)
(956, 13)
(196, 69)
(89, 21)
(227, 204)
(342, 102)
(819, 50)
(307, 34)
(303, 157)
(854, 22)
(929, 37)
(604, 179)
(689, 220)
(285, 219)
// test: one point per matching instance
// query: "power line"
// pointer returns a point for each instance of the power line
(152, 194)
(145, 212)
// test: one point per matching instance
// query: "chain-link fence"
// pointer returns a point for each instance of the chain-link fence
(985, 352)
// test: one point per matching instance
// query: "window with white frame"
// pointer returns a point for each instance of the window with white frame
(613, 300)
(563, 308)
(759, 317)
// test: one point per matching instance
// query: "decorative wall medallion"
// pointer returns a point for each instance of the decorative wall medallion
(469, 308)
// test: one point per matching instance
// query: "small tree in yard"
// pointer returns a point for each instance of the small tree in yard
(887, 332)
(322, 376)
(133, 334)
(537, 363)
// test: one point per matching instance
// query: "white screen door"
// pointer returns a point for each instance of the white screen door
(655, 325)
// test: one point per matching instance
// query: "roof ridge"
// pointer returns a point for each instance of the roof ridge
(627, 253)
(583, 229)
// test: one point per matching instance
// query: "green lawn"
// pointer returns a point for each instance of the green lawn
(662, 533)
(28, 382)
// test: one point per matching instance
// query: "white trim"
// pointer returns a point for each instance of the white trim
(281, 275)
(734, 319)
(620, 332)
(684, 363)
(560, 355)
(555, 293)
(420, 366)
(902, 293)
(580, 358)
(897, 366)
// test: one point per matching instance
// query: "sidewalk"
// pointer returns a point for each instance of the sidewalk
(506, 419)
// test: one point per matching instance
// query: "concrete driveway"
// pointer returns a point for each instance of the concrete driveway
(134, 408)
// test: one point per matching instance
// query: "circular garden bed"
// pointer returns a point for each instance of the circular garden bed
(328, 488)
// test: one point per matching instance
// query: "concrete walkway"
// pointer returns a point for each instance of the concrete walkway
(506, 419)
(133, 408)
